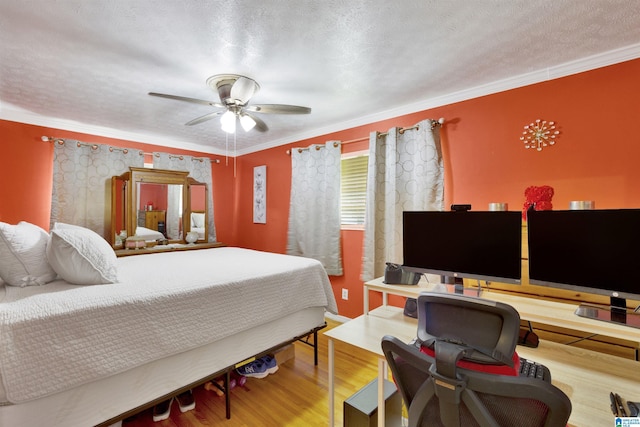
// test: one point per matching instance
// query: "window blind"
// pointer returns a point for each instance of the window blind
(353, 188)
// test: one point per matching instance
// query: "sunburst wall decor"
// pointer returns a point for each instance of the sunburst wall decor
(539, 134)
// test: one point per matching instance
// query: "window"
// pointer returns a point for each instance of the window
(353, 187)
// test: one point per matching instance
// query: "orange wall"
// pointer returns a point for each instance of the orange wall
(594, 159)
(485, 161)
(155, 195)
(26, 165)
(25, 175)
(198, 197)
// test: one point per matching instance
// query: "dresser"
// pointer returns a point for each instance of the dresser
(155, 220)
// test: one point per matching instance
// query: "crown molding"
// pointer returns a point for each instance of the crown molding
(566, 69)
(12, 113)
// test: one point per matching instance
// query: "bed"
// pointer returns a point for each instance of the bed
(86, 355)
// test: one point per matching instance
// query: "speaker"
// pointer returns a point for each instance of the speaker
(361, 409)
(411, 308)
(461, 208)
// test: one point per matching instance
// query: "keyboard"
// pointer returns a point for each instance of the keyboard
(531, 369)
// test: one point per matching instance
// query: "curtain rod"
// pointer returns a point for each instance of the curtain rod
(61, 141)
(93, 146)
(434, 123)
(181, 157)
(401, 130)
(364, 138)
(317, 146)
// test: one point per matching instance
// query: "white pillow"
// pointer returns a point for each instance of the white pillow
(81, 256)
(197, 220)
(23, 260)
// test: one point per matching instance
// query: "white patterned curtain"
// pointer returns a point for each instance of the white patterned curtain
(405, 173)
(173, 213)
(82, 172)
(314, 213)
(199, 168)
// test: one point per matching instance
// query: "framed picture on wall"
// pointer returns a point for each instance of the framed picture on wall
(260, 194)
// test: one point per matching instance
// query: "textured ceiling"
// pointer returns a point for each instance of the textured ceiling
(88, 65)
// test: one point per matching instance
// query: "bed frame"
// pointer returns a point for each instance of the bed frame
(225, 374)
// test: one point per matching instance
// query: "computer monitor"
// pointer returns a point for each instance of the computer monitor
(464, 244)
(593, 251)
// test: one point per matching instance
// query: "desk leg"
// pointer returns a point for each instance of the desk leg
(382, 375)
(330, 368)
(366, 299)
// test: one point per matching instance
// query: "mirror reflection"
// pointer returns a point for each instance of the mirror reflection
(159, 211)
(198, 219)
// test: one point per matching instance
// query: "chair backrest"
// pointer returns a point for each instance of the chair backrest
(488, 328)
(470, 398)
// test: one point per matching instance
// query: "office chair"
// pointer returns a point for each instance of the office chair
(448, 377)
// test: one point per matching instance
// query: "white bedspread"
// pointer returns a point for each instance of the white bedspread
(57, 336)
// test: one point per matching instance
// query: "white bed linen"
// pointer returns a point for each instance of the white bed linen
(96, 402)
(60, 336)
(199, 230)
(148, 234)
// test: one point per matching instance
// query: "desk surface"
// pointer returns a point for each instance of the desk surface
(585, 376)
(530, 308)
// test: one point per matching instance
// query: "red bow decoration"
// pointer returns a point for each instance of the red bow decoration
(539, 197)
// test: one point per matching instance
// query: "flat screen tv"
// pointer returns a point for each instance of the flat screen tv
(464, 244)
(592, 251)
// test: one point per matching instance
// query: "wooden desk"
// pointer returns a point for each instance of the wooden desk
(366, 332)
(585, 376)
(541, 311)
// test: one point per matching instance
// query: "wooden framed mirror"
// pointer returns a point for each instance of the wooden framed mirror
(155, 204)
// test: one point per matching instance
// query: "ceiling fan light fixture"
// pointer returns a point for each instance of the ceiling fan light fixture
(228, 122)
(235, 93)
(247, 122)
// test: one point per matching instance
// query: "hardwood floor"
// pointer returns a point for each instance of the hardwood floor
(296, 395)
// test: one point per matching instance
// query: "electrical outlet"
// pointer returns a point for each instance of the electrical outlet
(345, 294)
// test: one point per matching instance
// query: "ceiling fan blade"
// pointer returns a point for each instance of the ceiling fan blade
(260, 125)
(243, 89)
(203, 118)
(186, 99)
(278, 109)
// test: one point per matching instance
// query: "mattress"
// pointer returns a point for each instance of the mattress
(59, 337)
(96, 402)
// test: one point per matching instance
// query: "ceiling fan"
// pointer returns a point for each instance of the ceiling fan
(235, 92)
